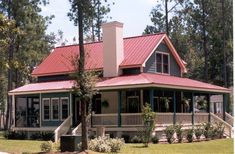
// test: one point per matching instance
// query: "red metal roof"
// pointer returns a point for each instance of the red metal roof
(44, 86)
(121, 82)
(136, 51)
(158, 80)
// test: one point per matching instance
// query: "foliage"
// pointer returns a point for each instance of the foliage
(136, 139)
(155, 139)
(126, 138)
(179, 132)
(15, 135)
(169, 131)
(149, 123)
(188, 22)
(47, 146)
(190, 135)
(220, 129)
(198, 132)
(105, 144)
(207, 130)
(105, 104)
(45, 136)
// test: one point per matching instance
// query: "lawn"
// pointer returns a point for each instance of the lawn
(224, 146)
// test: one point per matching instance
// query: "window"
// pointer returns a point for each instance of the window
(162, 63)
(55, 108)
(46, 108)
(64, 108)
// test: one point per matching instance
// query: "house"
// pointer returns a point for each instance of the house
(135, 71)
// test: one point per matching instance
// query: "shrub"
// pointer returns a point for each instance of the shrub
(220, 129)
(207, 130)
(46, 136)
(198, 132)
(155, 139)
(47, 146)
(148, 118)
(105, 144)
(169, 131)
(136, 139)
(36, 136)
(179, 132)
(126, 138)
(15, 135)
(190, 135)
(115, 144)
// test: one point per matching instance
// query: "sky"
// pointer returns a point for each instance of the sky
(133, 13)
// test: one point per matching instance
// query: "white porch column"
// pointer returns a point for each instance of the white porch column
(40, 110)
(13, 109)
(70, 107)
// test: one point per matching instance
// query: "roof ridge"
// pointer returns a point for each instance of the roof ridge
(130, 37)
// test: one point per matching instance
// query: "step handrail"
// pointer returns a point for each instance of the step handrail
(223, 122)
(63, 128)
(79, 127)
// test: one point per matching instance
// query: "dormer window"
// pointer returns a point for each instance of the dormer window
(162, 62)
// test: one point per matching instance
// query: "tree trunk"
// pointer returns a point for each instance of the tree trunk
(204, 42)
(81, 71)
(166, 17)
(98, 21)
(223, 47)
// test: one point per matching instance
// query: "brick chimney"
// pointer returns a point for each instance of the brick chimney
(113, 52)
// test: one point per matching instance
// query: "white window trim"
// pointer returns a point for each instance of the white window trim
(63, 98)
(44, 99)
(52, 119)
(162, 53)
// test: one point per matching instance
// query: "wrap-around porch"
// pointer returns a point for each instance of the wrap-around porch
(171, 107)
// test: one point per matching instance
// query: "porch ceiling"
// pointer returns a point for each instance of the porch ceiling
(158, 80)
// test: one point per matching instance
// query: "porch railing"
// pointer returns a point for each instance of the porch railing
(110, 119)
(78, 129)
(164, 118)
(201, 117)
(228, 129)
(184, 118)
(63, 128)
(135, 119)
(131, 119)
(229, 118)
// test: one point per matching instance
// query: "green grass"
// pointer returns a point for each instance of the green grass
(19, 146)
(223, 146)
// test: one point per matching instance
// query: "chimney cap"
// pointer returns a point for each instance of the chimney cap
(112, 24)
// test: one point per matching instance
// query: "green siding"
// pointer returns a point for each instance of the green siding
(53, 95)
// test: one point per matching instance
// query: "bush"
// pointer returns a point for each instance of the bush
(149, 123)
(126, 138)
(36, 136)
(207, 130)
(105, 144)
(136, 139)
(190, 135)
(15, 135)
(198, 132)
(169, 131)
(220, 130)
(155, 139)
(46, 136)
(179, 132)
(47, 146)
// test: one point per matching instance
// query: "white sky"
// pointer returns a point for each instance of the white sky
(133, 13)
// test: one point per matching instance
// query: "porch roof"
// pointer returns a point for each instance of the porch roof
(158, 80)
(43, 87)
(143, 80)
